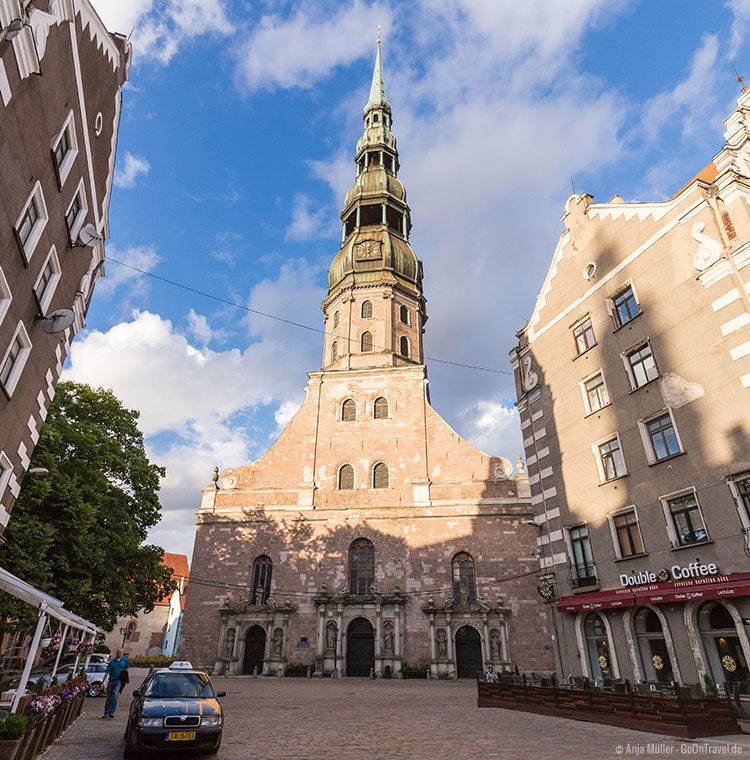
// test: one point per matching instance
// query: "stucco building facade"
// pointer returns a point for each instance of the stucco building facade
(633, 383)
(61, 74)
(370, 538)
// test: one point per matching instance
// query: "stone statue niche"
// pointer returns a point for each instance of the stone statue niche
(229, 643)
(496, 646)
(442, 643)
(388, 637)
(332, 633)
(277, 642)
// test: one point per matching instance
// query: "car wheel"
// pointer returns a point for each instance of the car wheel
(214, 747)
(94, 690)
(131, 744)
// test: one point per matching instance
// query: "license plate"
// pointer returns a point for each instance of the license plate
(180, 736)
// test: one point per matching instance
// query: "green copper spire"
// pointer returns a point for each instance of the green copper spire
(377, 88)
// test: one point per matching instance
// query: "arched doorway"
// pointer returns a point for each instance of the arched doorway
(468, 652)
(255, 650)
(722, 644)
(360, 648)
(597, 647)
(652, 646)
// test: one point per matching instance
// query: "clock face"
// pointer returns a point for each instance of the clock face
(544, 589)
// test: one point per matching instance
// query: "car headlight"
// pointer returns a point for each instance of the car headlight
(150, 722)
(211, 720)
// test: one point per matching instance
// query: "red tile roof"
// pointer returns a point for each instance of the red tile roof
(707, 174)
(178, 563)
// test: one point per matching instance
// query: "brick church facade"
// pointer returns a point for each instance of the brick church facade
(370, 538)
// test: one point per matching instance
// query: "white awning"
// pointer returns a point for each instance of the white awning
(43, 602)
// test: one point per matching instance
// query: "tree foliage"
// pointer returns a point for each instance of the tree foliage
(79, 532)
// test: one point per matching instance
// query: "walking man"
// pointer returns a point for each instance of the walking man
(115, 669)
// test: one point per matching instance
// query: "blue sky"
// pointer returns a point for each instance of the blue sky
(235, 152)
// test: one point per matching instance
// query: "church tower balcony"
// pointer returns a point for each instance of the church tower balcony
(375, 310)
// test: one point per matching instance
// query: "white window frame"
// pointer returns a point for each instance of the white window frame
(49, 291)
(585, 318)
(6, 470)
(15, 375)
(669, 519)
(613, 531)
(6, 296)
(646, 438)
(731, 481)
(585, 396)
(610, 304)
(597, 456)
(75, 228)
(64, 168)
(29, 247)
(629, 369)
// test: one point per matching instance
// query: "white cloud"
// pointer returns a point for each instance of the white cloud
(160, 28)
(493, 428)
(692, 100)
(299, 50)
(130, 169)
(143, 257)
(307, 224)
(740, 24)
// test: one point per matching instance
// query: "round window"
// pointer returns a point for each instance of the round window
(98, 124)
(589, 270)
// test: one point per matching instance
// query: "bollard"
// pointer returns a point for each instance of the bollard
(372, 673)
(309, 673)
(280, 672)
(255, 672)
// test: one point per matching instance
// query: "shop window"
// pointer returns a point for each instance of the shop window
(652, 647)
(597, 648)
(726, 658)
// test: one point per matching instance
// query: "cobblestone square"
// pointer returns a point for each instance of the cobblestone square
(300, 719)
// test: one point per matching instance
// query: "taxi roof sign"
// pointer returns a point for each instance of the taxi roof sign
(181, 665)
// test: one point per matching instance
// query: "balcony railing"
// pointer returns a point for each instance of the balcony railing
(582, 574)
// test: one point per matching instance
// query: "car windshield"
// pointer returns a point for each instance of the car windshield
(179, 685)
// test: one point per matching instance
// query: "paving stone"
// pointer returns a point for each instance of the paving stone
(300, 719)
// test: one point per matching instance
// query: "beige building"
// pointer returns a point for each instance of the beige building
(154, 633)
(61, 78)
(633, 382)
(370, 537)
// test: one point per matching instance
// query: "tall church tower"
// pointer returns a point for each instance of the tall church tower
(370, 537)
(375, 310)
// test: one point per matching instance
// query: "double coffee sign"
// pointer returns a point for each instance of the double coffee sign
(675, 573)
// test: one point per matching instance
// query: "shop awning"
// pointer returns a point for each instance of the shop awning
(597, 600)
(715, 587)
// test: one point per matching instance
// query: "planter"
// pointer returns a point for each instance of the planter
(9, 748)
(36, 736)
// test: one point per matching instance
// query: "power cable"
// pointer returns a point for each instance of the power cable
(291, 322)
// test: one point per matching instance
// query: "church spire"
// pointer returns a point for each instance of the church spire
(377, 88)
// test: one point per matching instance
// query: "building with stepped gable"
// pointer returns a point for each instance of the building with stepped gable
(633, 382)
(370, 538)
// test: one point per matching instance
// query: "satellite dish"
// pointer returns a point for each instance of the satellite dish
(88, 236)
(58, 320)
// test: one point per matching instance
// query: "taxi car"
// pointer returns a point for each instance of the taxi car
(174, 708)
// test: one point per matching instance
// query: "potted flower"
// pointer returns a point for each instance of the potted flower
(12, 730)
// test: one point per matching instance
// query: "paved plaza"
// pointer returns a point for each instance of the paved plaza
(350, 719)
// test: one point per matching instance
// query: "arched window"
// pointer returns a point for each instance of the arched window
(334, 351)
(130, 631)
(380, 475)
(404, 346)
(346, 477)
(349, 410)
(335, 320)
(262, 568)
(404, 315)
(380, 409)
(464, 586)
(366, 342)
(366, 309)
(361, 566)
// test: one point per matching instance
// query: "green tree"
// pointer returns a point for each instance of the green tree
(78, 533)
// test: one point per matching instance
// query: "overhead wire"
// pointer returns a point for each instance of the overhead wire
(286, 321)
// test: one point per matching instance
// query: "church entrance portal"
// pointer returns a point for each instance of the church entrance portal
(468, 652)
(255, 650)
(360, 648)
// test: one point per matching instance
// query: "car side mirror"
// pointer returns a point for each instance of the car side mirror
(221, 694)
(136, 693)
